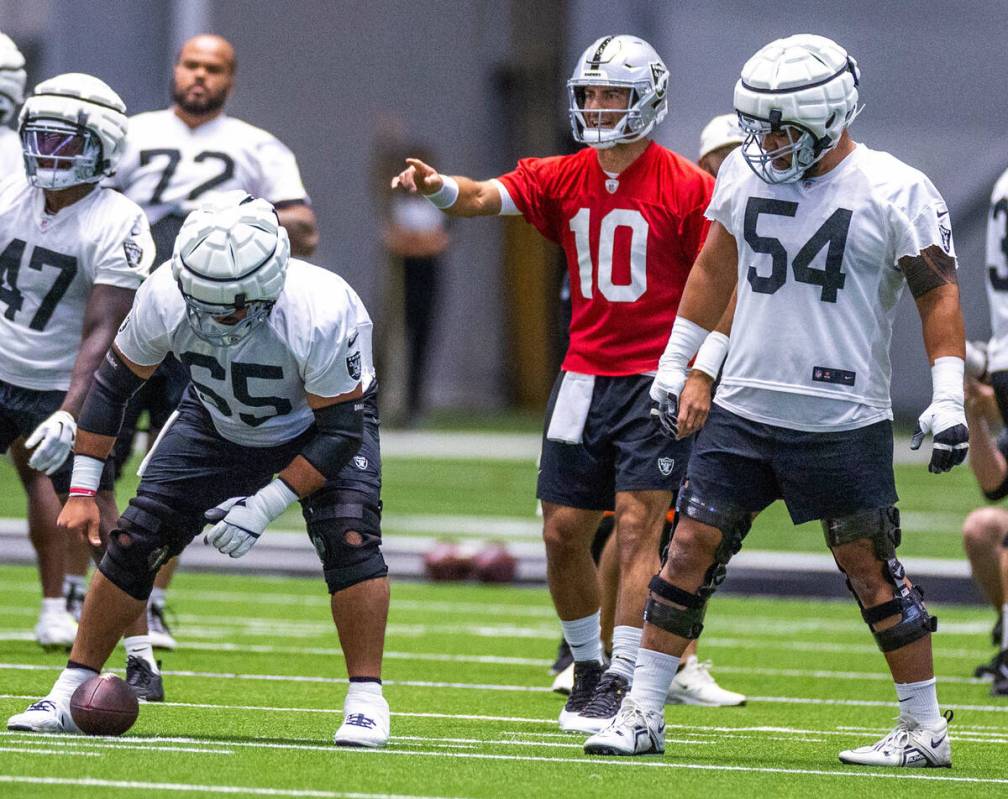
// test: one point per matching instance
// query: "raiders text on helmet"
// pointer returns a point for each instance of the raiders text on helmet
(73, 131)
(12, 78)
(805, 86)
(230, 256)
(619, 62)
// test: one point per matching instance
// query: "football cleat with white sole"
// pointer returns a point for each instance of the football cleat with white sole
(75, 601)
(634, 731)
(46, 715)
(56, 630)
(603, 706)
(587, 674)
(157, 628)
(563, 683)
(909, 745)
(694, 685)
(365, 722)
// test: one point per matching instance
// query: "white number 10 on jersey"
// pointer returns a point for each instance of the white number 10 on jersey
(617, 218)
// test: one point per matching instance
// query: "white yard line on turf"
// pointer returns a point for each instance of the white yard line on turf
(134, 785)
(35, 751)
(103, 742)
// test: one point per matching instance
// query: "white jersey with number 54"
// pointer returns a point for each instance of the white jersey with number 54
(818, 283)
(316, 340)
(997, 275)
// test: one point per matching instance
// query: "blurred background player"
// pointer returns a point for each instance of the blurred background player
(629, 215)
(813, 424)
(72, 255)
(693, 683)
(174, 158)
(12, 86)
(245, 319)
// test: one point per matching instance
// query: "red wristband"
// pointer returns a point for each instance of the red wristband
(81, 492)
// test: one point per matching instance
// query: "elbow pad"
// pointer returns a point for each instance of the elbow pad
(339, 430)
(105, 405)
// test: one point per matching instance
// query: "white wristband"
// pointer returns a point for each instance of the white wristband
(86, 476)
(685, 339)
(274, 498)
(446, 196)
(947, 379)
(711, 355)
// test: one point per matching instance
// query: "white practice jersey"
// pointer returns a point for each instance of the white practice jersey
(997, 275)
(168, 167)
(48, 264)
(818, 283)
(11, 155)
(316, 340)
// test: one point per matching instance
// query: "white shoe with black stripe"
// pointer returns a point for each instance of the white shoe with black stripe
(909, 745)
(634, 731)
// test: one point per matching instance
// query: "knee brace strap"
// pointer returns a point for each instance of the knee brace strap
(881, 526)
(733, 523)
(347, 537)
(915, 622)
(686, 623)
(674, 594)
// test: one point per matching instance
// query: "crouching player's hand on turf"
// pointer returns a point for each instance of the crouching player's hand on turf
(238, 522)
(80, 516)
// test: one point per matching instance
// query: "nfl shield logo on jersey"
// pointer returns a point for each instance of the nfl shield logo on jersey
(353, 366)
(665, 466)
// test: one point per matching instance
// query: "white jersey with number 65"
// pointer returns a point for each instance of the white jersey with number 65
(316, 340)
(818, 283)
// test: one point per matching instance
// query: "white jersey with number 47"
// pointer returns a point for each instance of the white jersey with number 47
(997, 275)
(316, 340)
(818, 283)
(48, 266)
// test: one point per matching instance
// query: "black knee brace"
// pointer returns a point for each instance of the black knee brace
(345, 528)
(147, 535)
(881, 527)
(687, 622)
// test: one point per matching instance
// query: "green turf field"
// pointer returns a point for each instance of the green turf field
(933, 506)
(255, 691)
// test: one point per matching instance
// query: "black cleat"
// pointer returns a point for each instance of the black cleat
(157, 628)
(75, 602)
(586, 678)
(147, 685)
(563, 658)
(1000, 686)
(986, 671)
(604, 704)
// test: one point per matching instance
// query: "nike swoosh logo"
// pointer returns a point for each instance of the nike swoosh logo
(942, 213)
(937, 742)
(906, 700)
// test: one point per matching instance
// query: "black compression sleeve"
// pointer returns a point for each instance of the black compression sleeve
(105, 404)
(339, 431)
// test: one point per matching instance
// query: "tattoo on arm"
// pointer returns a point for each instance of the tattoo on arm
(931, 268)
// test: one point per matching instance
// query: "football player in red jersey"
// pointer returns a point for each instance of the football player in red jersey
(629, 215)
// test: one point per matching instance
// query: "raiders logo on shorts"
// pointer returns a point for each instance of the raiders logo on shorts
(666, 465)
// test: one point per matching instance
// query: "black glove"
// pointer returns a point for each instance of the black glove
(666, 413)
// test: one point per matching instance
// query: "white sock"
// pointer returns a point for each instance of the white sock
(625, 643)
(53, 606)
(360, 688)
(157, 597)
(139, 646)
(68, 681)
(919, 700)
(1004, 626)
(78, 582)
(652, 678)
(584, 637)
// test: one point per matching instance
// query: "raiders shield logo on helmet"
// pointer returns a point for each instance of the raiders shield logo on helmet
(665, 465)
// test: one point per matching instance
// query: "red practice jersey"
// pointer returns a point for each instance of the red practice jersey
(629, 243)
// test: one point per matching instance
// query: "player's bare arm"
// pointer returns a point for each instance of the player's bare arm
(116, 379)
(712, 280)
(475, 197)
(299, 220)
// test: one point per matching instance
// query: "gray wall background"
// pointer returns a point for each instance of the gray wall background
(325, 76)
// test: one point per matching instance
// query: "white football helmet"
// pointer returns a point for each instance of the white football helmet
(230, 256)
(73, 131)
(12, 78)
(619, 62)
(805, 86)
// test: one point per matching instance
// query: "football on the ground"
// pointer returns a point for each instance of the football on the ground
(447, 562)
(494, 564)
(104, 705)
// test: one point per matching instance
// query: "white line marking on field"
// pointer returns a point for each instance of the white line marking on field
(109, 742)
(60, 752)
(132, 785)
